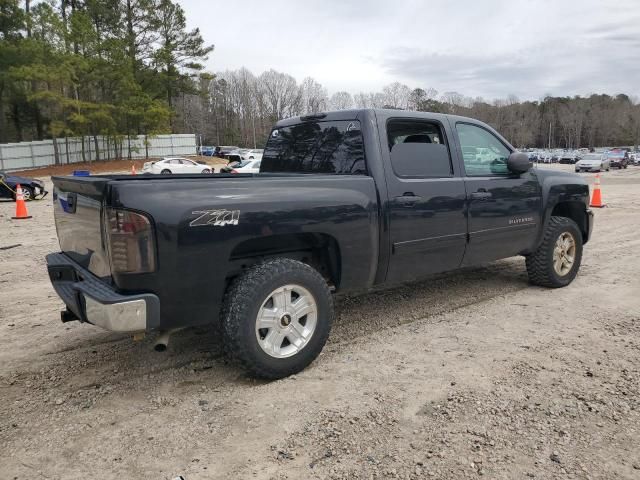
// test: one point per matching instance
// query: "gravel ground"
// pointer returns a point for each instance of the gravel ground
(469, 374)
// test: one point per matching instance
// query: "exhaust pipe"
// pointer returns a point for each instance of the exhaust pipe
(163, 339)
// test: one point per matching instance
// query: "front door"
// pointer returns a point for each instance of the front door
(504, 209)
(428, 226)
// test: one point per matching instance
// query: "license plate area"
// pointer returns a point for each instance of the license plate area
(63, 273)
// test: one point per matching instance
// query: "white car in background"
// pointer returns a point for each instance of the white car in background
(254, 154)
(247, 166)
(170, 165)
(593, 162)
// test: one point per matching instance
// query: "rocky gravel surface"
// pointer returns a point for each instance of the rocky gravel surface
(474, 374)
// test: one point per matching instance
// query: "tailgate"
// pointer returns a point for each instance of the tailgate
(77, 207)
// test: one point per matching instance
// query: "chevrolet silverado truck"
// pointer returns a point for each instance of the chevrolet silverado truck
(344, 202)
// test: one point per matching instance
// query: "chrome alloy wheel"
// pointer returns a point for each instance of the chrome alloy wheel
(286, 321)
(564, 254)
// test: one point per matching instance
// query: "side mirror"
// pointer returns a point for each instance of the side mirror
(518, 162)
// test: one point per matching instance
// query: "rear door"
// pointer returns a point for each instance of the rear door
(190, 166)
(504, 210)
(427, 222)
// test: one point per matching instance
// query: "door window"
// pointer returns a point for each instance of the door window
(418, 149)
(482, 152)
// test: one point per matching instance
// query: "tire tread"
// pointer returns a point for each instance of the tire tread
(538, 267)
(236, 309)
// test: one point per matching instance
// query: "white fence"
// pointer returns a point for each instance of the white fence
(24, 155)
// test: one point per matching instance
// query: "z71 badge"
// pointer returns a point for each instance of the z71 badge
(217, 218)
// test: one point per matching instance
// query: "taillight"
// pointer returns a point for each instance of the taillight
(131, 242)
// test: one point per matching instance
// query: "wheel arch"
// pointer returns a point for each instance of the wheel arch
(576, 211)
(319, 250)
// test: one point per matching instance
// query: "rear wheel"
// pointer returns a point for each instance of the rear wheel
(557, 260)
(166, 171)
(277, 317)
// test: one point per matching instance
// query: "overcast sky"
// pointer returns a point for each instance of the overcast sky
(489, 48)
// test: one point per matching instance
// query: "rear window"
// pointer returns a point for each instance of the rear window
(316, 147)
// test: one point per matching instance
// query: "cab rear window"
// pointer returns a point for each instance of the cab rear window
(316, 147)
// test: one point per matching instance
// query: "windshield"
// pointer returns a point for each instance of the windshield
(592, 156)
(316, 147)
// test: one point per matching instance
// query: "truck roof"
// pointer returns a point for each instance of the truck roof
(381, 114)
(356, 113)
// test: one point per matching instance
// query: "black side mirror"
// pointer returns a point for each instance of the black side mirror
(518, 162)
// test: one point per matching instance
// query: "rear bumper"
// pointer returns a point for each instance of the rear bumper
(91, 300)
(588, 169)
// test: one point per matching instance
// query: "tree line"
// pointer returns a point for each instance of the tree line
(239, 108)
(110, 68)
(116, 68)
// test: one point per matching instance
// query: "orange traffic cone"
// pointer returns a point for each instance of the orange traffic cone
(596, 199)
(133, 169)
(21, 206)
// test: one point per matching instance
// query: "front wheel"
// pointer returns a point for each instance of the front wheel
(27, 194)
(276, 318)
(206, 170)
(557, 260)
(166, 171)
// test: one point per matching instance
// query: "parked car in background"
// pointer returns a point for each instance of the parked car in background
(593, 162)
(545, 157)
(230, 166)
(170, 165)
(207, 151)
(31, 188)
(247, 166)
(618, 158)
(634, 158)
(223, 151)
(568, 158)
(253, 154)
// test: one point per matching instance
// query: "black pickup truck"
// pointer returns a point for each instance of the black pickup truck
(344, 202)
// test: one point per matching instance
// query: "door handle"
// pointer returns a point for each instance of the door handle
(72, 202)
(408, 199)
(481, 194)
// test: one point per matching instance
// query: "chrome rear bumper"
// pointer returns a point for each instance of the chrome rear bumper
(92, 300)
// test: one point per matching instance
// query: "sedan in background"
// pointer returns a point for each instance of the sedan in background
(568, 158)
(247, 166)
(618, 158)
(170, 165)
(223, 151)
(31, 188)
(254, 154)
(593, 162)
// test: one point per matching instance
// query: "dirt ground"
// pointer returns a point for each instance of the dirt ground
(469, 374)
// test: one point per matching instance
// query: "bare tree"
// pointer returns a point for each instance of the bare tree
(314, 96)
(396, 95)
(341, 101)
(281, 94)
